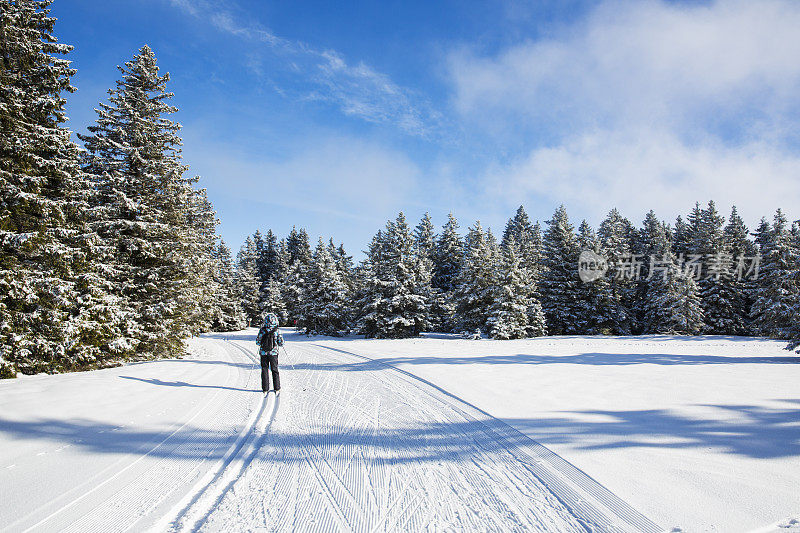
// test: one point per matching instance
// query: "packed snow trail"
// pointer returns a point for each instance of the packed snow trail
(379, 450)
(191, 445)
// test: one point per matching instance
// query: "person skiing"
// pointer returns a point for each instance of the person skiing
(268, 340)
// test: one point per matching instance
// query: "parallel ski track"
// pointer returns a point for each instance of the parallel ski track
(593, 504)
(193, 510)
(332, 479)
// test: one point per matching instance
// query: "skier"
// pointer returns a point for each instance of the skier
(268, 340)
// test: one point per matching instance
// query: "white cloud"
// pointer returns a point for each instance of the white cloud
(647, 104)
(595, 171)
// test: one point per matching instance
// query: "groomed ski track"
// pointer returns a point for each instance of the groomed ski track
(376, 449)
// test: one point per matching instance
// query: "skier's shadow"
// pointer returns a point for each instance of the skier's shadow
(156, 381)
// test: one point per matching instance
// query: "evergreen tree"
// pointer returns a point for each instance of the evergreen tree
(515, 313)
(447, 256)
(228, 314)
(271, 301)
(394, 303)
(52, 298)
(793, 330)
(144, 207)
(475, 293)
(777, 293)
(425, 238)
(326, 310)
(675, 307)
(247, 282)
(598, 312)
(720, 296)
(617, 237)
(298, 253)
(559, 285)
(653, 244)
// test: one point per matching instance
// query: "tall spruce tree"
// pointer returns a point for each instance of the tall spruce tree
(599, 312)
(298, 254)
(475, 283)
(326, 309)
(559, 285)
(52, 303)
(447, 257)
(394, 300)
(675, 306)
(777, 292)
(144, 205)
(617, 238)
(720, 296)
(248, 283)
(228, 314)
(514, 313)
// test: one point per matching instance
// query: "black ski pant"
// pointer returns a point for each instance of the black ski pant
(269, 362)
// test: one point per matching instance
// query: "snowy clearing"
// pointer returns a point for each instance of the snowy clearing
(700, 434)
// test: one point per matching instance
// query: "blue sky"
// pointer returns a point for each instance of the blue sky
(335, 116)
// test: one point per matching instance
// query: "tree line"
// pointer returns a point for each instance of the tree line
(107, 251)
(700, 275)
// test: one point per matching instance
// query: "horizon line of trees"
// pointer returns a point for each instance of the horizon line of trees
(108, 251)
(527, 284)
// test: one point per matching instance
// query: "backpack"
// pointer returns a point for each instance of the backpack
(268, 340)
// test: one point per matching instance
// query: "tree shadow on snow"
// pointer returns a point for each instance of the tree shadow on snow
(746, 430)
(756, 432)
(156, 381)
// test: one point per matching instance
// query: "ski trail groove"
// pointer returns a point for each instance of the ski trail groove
(191, 511)
(362, 451)
(592, 503)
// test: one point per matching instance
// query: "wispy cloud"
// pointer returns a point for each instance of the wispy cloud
(357, 89)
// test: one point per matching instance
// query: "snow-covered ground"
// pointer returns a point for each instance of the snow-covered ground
(703, 434)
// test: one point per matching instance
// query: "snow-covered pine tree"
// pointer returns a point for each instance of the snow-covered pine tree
(440, 306)
(515, 313)
(559, 282)
(674, 304)
(271, 270)
(247, 282)
(394, 300)
(326, 309)
(298, 254)
(228, 314)
(617, 236)
(777, 293)
(718, 291)
(598, 309)
(474, 293)
(520, 230)
(271, 300)
(425, 238)
(199, 297)
(447, 256)
(144, 205)
(52, 304)
(653, 243)
(793, 333)
(681, 238)
(739, 245)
